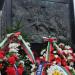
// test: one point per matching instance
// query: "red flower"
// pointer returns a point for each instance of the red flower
(73, 54)
(63, 62)
(15, 56)
(1, 54)
(58, 60)
(59, 52)
(11, 60)
(67, 67)
(42, 58)
(52, 57)
(20, 69)
(1, 66)
(11, 71)
(44, 73)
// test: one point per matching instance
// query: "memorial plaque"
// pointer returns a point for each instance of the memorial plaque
(39, 18)
(43, 17)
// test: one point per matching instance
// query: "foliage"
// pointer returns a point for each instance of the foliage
(16, 28)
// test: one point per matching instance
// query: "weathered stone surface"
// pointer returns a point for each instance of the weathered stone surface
(38, 17)
(6, 17)
(0, 23)
(42, 17)
(1, 4)
(60, 1)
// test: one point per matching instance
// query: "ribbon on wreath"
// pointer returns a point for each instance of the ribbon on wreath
(19, 37)
(27, 50)
(49, 48)
(39, 70)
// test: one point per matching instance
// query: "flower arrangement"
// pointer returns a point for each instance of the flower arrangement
(17, 58)
(60, 54)
(17, 54)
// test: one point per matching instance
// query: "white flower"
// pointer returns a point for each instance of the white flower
(33, 66)
(70, 57)
(69, 51)
(56, 56)
(13, 50)
(21, 62)
(14, 45)
(71, 63)
(17, 54)
(41, 57)
(48, 71)
(67, 47)
(54, 62)
(70, 68)
(54, 51)
(65, 51)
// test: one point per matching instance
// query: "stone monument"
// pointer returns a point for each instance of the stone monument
(40, 18)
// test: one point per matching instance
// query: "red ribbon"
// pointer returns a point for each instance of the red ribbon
(17, 34)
